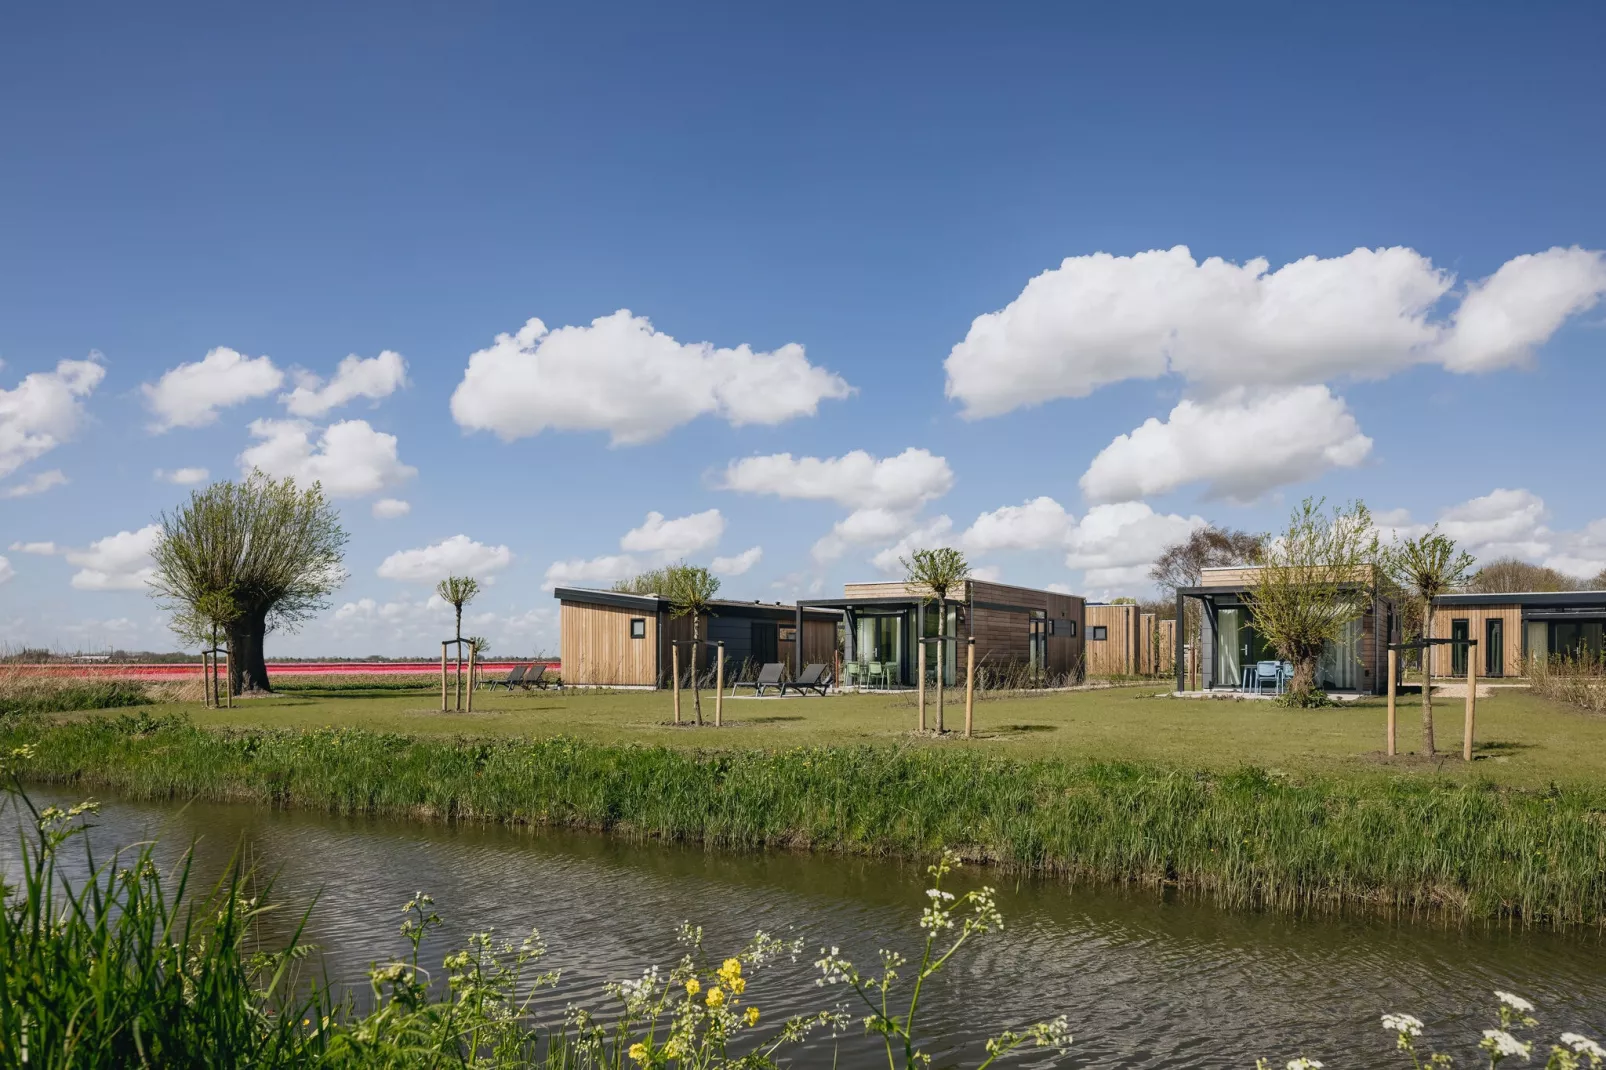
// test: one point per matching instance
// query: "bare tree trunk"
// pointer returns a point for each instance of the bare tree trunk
(1427, 681)
(942, 645)
(696, 692)
(1305, 673)
(248, 671)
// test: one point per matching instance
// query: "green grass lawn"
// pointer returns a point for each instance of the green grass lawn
(1522, 740)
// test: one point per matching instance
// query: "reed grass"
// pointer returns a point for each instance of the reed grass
(1579, 682)
(1251, 838)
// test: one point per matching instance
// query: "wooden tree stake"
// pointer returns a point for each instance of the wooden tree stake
(1394, 675)
(473, 649)
(920, 684)
(970, 683)
(1472, 702)
(719, 684)
(444, 706)
(674, 671)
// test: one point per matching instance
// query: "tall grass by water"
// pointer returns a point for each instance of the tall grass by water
(1408, 845)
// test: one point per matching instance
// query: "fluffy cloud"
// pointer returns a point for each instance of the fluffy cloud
(456, 556)
(403, 625)
(924, 535)
(1036, 525)
(1101, 319)
(376, 377)
(184, 477)
(1240, 445)
(682, 537)
(1114, 545)
(44, 548)
(738, 564)
(6, 571)
(44, 411)
(350, 458)
(1510, 523)
(857, 480)
(661, 541)
(859, 527)
(37, 485)
(120, 562)
(190, 395)
(621, 376)
(391, 508)
(588, 572)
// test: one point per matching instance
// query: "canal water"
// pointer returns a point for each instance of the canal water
(1147, 980)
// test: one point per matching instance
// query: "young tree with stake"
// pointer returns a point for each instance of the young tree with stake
(1424, 568)
(457, 592)
(691, 592)
(940, 571)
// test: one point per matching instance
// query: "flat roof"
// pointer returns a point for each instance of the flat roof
(653, 603)
(1523, 598)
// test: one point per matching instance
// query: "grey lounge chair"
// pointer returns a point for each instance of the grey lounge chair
(515, 677)
(769, 676)
(814, 677)
(535, 676)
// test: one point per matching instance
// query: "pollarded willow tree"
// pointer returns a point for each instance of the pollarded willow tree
(1315, 578)
(691, 594)
(250, 557)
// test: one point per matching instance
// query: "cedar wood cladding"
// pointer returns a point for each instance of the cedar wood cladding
(1476, 616)
(998, 619)
(1120, 652)
(597, 649)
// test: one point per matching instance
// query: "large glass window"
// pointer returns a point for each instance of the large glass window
(1341, 661)
(1494, 647)
(880, 641)
(1576, 639)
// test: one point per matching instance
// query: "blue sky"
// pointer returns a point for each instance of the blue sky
(863, 182)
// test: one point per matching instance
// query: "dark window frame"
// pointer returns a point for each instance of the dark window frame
(1458, 649)
(638, 627)
(1098, 633)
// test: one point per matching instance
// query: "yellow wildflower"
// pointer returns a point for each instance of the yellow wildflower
(751, 1017)
(693, 986)
(731, 970)
(738, 985)
(638, 1052)
(674, 1049)
(716, 997)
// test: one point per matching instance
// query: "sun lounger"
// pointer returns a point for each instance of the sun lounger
(769, 676)
(816, 678)
(516, 677)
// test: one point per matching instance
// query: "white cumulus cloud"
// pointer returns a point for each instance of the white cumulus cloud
(391, 508)
(1240, 445)
(681, 537)
(1510, 522)
(37, 485)
(590, 572)
(184, 477)
(1038, 524)
(190, 395)
(622, 376)
(737, 564)
(375, 378)
(925, 534)
(856, 479)
(1101, 319)
(456, 556)
(44, 548)
(350, 458)
(43, 411)
(120, 562)
(1115, 544)
(6, 571)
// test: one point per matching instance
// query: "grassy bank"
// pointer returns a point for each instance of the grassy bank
(1250, 837)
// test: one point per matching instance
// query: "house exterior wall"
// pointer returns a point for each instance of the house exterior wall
(1118, 653)
(1475, 616)
(1165, 632)
(596, 647)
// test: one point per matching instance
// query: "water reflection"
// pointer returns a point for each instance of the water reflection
(1148, 981)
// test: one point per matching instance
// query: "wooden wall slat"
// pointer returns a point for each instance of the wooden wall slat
(596, 647)
(1511, 617)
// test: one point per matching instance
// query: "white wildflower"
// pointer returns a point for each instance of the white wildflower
(1303, 1063)
(939, 894)
(1403, 1023)
(1583, 1045)
(1516, 1003)
(1503, 1044)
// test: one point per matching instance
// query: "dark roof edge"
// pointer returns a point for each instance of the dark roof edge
(654, 603)
(1524, 598)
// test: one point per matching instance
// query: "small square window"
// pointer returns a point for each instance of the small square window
(1098, 632)
(638, 627)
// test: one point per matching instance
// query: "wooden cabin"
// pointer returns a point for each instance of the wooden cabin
(1115, 639)
(1038, 634)
(612, 639)
(1512, 628)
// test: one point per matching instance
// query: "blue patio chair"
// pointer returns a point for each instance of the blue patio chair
(1269, 672)
(1287, 670)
